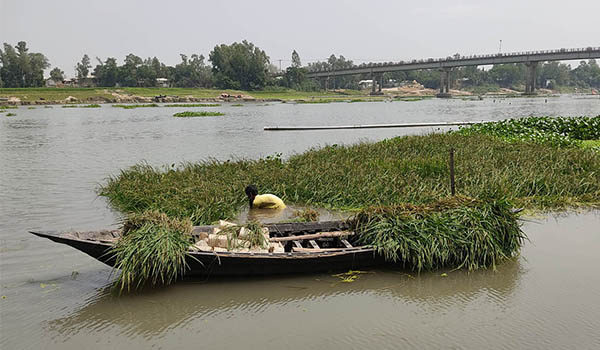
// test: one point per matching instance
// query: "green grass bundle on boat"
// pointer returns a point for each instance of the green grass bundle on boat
(152, 250)
(457, 232)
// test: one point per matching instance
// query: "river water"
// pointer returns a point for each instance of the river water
(54, 297)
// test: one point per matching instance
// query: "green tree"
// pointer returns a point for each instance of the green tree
(239, 66)
(507, 75)
(192, 72)
(57, 75)
(83, 67)
(296, 60)
(21, 68)
(106, 72)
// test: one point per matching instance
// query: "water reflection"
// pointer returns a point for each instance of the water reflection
(151, 313)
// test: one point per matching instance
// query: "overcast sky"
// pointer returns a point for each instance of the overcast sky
(378, 30)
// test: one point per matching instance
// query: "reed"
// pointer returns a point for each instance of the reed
(152, 250)
(454, 232)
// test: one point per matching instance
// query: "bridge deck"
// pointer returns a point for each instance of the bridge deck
(478, 60)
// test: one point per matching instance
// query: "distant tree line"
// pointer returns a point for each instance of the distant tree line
(245, 66)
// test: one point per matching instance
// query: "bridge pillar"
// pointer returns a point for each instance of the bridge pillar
(326, 83)
(530, 78)
(376, 80)
(444, 83)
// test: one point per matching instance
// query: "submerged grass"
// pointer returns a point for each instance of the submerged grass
(152, 250)
(456, 232)
(409, 169)
(198, 114)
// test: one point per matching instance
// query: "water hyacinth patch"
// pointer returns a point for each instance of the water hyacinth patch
(554, 131)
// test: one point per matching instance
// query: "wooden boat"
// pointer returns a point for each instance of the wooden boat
(308, 247)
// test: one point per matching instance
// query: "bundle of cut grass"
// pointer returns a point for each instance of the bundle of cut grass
(456, 232)
(152, 249)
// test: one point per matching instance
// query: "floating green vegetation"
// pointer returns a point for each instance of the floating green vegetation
(82, 106)
(554, 131)
(409, 169)
(10, 114)
(409, 99)
(46, 106)
(30, 107)
(313, 101)
(306, 215)
(137, 106)
(455, 232)
(152, 250)
(193, 105)
(237, 105)
(8, 107)
(197, 114)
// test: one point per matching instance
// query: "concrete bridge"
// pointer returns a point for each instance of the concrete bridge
(445, 65)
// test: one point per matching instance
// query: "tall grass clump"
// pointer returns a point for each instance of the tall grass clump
(152, 250)
(455, 232)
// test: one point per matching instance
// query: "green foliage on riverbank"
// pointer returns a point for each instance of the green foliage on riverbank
(197, 114)
(152, 250)
(554, 131)
(411, 169)
(457, 232)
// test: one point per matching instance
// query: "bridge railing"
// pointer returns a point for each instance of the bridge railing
(470, 57)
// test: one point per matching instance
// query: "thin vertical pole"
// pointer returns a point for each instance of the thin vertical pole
(452, 184)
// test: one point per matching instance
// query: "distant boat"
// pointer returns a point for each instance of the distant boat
(309, 247)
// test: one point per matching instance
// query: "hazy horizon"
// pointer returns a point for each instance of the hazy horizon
(64, 30)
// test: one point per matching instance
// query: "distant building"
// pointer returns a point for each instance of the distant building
(365, 84)
(162, 82)
(53, 83)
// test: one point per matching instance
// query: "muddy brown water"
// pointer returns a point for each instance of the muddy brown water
(54, 297)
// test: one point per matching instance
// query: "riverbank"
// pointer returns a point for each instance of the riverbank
(50, 96)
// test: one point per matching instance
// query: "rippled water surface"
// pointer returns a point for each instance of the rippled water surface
(51, 161)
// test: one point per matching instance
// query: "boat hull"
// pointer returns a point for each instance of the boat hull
(205, 264)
